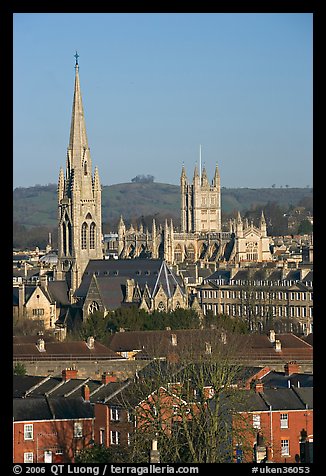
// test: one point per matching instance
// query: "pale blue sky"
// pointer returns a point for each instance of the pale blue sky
(157, 85)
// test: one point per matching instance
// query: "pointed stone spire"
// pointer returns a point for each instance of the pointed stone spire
(262, 224)
(96, 180)
(216, 179)
(183, 178)
(196, 179)
(204, 178)
(78, 144)
(61, 185)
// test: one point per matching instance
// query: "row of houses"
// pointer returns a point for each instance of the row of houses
(264, 296)
(57, 417)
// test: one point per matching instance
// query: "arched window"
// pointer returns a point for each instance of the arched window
(178, 254)
(69, 238)
(84, 236)
(161, 306)
(64, 239)
(92, 236)
(93, 307)
(191, 253)
(85, 168)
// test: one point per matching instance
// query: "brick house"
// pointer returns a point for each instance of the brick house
(282, 420)
(51, 430)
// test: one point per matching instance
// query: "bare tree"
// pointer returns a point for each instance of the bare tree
(188, 402)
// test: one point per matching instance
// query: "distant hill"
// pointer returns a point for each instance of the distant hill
(36, 206)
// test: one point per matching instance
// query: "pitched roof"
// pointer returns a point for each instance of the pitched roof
(63, 351)
(29, 409)
(111, 276)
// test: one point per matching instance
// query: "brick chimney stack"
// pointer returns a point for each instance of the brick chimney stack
(69, 373)
(86, 393)
(106, 378)
(291, 368)
(259, 386)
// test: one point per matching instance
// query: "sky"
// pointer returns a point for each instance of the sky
(157, 87)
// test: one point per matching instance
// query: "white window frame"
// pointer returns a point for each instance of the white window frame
(78, 429)
(28, 431)
(114, 437)
(29, 457)
(285, 447)
(256, 421)
(284, 420)
(115, 414)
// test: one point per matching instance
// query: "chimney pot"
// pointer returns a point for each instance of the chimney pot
(69, 373)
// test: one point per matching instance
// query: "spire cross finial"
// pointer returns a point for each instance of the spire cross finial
(76, 56)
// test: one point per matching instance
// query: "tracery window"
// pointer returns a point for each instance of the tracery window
(92, 236)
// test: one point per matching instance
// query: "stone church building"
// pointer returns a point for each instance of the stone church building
(200, 237)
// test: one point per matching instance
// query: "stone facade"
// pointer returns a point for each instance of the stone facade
(79, 202)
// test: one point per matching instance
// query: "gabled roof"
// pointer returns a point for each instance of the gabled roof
(63, 351)
(110, 277)
(29, 409)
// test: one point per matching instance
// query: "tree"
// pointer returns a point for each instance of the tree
(305, 228)
(19, 369)
(102, 454)
(189, 405)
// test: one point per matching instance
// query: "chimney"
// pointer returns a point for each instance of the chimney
(272, 335)
(278, 345)
(86, 393)
(40, 345)
(69, 373)
(21, 299)
(259, 386)
(90, 342)
(106, 378)
(44, 282)
(174, 340)
(291, 368)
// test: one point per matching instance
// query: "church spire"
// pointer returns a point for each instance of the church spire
(78, 144)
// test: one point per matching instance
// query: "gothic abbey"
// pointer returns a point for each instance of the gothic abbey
(200, 237)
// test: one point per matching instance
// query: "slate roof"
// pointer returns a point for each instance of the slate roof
(111, 276)
(288, 399)
(255, 346)
(63, 351)
(29, 387)
(280, 380)
(29, 409)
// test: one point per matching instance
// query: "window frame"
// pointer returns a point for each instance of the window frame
(26, 431)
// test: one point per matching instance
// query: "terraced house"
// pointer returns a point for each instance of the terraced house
(268, 298)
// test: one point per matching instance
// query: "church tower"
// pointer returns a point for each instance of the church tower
(200, 203)
(79, 202)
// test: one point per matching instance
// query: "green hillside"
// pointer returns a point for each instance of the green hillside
(37, 206)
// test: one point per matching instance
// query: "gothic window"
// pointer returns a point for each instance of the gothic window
(92, 236)
(93, 307)
(69, 238)
(178, 254)
(88, 216)
(64, 238)
(191, 253)
(85, 168)
(161, 306)
(84, 236)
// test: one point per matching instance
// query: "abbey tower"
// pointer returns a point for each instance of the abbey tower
(79, 202)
